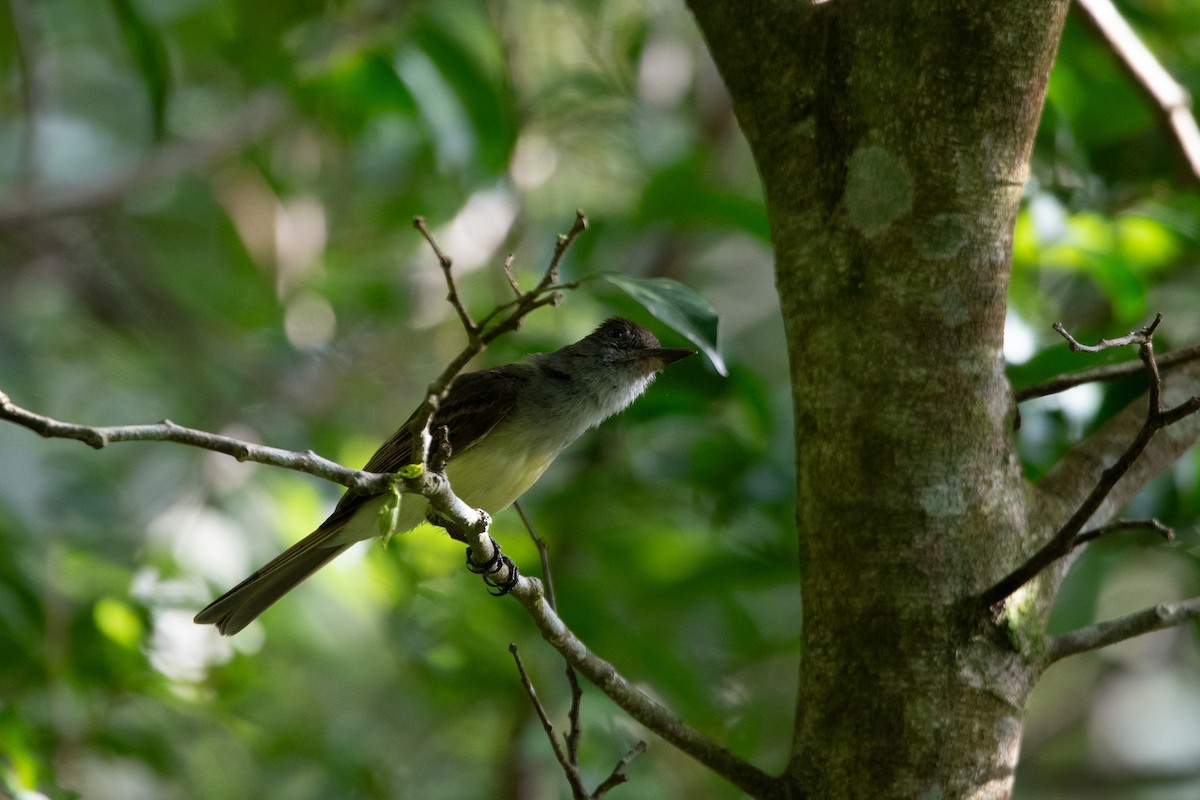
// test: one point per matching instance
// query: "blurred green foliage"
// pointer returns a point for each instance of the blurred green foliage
(263, 280)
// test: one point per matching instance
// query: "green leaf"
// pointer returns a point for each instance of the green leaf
(389, 516)
(684, 309)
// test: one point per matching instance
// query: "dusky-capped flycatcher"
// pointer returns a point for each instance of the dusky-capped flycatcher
(505, 426)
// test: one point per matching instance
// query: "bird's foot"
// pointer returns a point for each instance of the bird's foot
(496, 565)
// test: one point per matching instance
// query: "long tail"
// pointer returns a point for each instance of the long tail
(238, 607)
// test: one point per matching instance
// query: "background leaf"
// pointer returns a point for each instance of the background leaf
(687, 311)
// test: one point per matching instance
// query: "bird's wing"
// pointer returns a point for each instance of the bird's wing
(475, 403)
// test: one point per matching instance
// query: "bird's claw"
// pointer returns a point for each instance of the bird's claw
(493, 566)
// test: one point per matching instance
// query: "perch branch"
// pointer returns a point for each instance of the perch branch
(465, 523)
(436, 489)
(1103, 634)
(1172, 100)
(433, 486)
(1065, 540)
(168, 431)
(508, 273)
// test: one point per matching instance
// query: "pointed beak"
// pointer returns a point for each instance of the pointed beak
(667, 355)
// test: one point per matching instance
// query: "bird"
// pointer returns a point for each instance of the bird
(505, 426)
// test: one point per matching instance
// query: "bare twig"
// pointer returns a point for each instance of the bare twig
(564, 241)
(1064, 541)
(573, 735)
(431, 485)
(1140, 336)
(501, 320)
(452, 296)
(1125, 525)
(749, 778)
(543, 554)
(1103, 634)
(566, 759)
(618, 776)
(547, 290)
(1072, 379)
(1149, 75)
(508, 273)
(167, 431)
(569, 766)
(471, 524)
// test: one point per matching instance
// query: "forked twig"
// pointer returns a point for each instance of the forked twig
(565, 758)
(502, 319)
(1157, 418)
(575, 732)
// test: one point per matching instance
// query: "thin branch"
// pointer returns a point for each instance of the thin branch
(573, 735)
(564, 241)
(536, 599)
(747, 777)
(1140, 336)
(1119, 526)
(167, 162)
(452, 296)
(1070, 380)
(508, 273)
(549, 282)
(565, 759)
(570, 768)
(1103, 634)
(618, 776)
(1064, 541)
(502, 319)
(543, 554)
(1173, 100)
(470, 525)
(434, 487)
(167, 431)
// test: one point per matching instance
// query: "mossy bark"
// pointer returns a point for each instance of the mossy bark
(893, 141)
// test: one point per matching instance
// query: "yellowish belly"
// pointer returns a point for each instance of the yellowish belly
(493, 477)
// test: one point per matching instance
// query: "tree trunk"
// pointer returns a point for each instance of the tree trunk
(893, 141)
